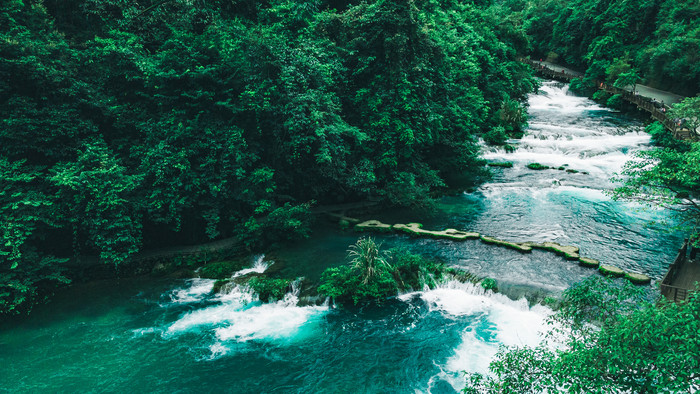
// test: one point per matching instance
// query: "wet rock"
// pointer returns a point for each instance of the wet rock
(637, 279)
(611, 270)
(524, 248)
(373, 225)
(586, 262)
(568, 251)
(415, 229)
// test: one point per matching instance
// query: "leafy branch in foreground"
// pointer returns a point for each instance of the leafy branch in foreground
(615, 341)
(666, 178)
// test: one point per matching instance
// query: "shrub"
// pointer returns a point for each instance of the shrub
(489, 284)
(601, 96)
(372, 276)
(662, 137)
(615, 101)
(367, 276)
(576, 85)
(269, 289)
(220, 269)
(414, 272)
(537, 166)
(496, 136)
(345, 285)
(510, 148)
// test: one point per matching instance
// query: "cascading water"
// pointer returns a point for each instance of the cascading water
(166, 335)
(259, 266)
(492, 320)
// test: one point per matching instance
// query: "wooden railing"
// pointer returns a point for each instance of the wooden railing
(656, 109)
(548, 72)
(669, 291)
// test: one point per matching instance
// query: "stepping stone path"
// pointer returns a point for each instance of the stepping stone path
(569, 252)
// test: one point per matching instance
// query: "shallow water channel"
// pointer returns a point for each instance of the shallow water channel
(170, 335)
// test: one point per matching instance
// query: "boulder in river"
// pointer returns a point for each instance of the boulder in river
(373, 225)
(524, 248)
(416, 229)
(611, 270)
(568, 251)
(586, 262)
(637, 279)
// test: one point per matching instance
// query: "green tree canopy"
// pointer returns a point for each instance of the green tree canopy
(635, 346)
(135, 124)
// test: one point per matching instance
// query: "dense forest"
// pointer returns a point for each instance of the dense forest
(653, 41)
(134, 124)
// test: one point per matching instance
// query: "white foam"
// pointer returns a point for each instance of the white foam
(239, 298)
(552, 97)
(196, 291)
(218, 350)
(259, 266)
(583, 146)
(565, 130)
(496, 191)
(270, 321)
(241, 317)
(496, 320)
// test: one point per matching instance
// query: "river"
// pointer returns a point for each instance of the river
(167, 335)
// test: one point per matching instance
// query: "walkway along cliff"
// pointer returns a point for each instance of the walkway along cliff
(682, 274)
(655, 109)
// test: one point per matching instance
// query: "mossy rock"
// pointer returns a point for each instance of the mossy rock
(456, 235)
(568, 251)
(611, 270)
(637, 279)
(590, 263)
(510, 148)
(416, 230)
(572, 171)
(537, 166)
(561, 168)
(494, 241)
(504, 164)
(219, 285)
(373, 225)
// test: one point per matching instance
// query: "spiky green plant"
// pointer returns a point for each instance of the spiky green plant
(365, 257)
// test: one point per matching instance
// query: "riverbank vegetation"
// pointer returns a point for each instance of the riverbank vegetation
(138, 124)
(606, 337)
(668, 175)
(373, 275)
(622, 42)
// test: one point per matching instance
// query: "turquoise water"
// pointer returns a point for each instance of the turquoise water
(170, 335)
